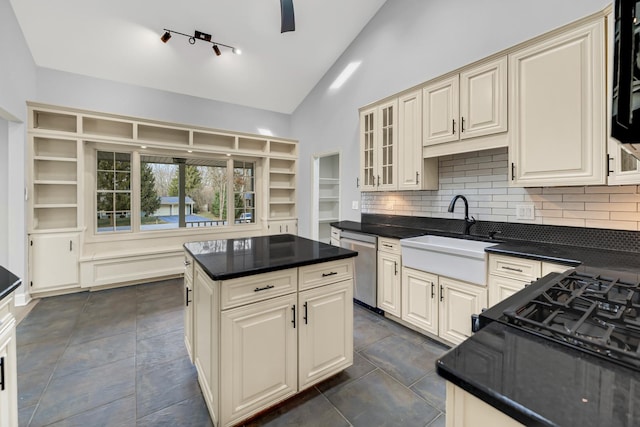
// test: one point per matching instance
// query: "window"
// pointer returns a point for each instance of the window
(244, 192)
(207, 188)
(113, 189)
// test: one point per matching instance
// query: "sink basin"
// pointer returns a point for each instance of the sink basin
(446, 256)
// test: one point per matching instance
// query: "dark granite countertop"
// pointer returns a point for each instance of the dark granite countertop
(231, 258)
(624, 265)
(8, 282)
(542, 383)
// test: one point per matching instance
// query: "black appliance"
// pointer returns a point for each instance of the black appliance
(598, 315)
(625, 120)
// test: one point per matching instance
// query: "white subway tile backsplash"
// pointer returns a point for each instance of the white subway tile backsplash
(483, 177)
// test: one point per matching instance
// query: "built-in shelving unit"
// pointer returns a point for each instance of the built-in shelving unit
(328, 192)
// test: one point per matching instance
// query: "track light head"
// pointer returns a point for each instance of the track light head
(165, 37)
(236, 51)
(216, 49)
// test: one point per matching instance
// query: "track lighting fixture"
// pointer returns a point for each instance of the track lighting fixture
(199, 35)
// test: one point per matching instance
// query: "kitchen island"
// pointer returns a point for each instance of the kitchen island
(8, 361)
(266, 318)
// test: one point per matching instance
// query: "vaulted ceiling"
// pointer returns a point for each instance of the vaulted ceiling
(119, 40)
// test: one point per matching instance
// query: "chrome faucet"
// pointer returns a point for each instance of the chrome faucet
(468, 222)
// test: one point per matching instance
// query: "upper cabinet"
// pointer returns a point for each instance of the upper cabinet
(557, 101)
(379, 147)
(467, 105)
(414, 172)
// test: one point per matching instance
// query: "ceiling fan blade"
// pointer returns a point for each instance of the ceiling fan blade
(288, 22)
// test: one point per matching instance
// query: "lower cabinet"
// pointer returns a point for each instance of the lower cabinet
(54, 261)
(440, 305)
(259, 341)
(8, 366)
(283, 227)
(389, 278)
(466, 410)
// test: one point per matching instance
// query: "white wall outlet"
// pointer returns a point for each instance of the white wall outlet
(354, 205)
(525, 212)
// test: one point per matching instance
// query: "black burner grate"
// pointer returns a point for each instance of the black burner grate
(598, 315)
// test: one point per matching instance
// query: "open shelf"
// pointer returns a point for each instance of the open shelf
(163, 134)
(105, 127)
(45, 170)
(252, 145)
(214, 141)
(45, 194)
(55, 149)
(48, 120)
(283, 148)
(55, 218)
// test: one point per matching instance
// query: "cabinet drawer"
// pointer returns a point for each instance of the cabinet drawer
(246, 290)
(515, 268)
(335, 233)
(6, 309)
(315, 275)
(389, 245)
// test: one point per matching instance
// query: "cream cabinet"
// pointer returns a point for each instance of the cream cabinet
(420, 299)
(440, 305)
(458, 301)
(557, 109)
(258, 352)
(389, 276)
(188, 304)
(414, 172)
(53, 261)
(508, 275)
(466, 410)
(283, 227)
(260, 339)
(466, 105)
(325, 335)
(8, 365)
(379, 147)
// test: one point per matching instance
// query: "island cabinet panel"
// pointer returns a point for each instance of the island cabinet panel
(258, 349)
(326, 332)
(261, 338)
(466, 410)
(188, 304)
(205, 337)
(8, 373)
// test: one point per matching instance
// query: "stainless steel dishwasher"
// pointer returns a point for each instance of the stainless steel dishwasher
(365, 264)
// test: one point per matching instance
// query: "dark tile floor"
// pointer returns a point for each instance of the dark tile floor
(117, 358)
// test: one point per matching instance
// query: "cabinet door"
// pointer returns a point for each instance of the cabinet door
(389, 283)
(54, 261)
(483, 99)
(283, 227)
(325, 337)
(188, 302)
(556, 122)
(441, 111)
(205, 335)
(501, 288)
(458, 301)
(368, 146)
(410, 141)
(387, 162)
(420, 299)
(8, 372)
(258, 351)
(466, 410)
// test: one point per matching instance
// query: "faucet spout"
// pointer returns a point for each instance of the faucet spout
(468, 222)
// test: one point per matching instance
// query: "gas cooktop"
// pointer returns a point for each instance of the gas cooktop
(595, 314)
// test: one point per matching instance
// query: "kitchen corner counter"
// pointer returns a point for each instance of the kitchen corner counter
(542, 383)
(8, 282)
(232, 258)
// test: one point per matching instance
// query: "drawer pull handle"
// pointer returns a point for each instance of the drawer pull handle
(387, 245)
(187, 300)
(333, 273)
(187, 263)
(264, 288)
(512, 269)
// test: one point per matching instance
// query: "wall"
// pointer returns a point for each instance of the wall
(483, 178)
(406, 43)
(73, 90)
(17, 83)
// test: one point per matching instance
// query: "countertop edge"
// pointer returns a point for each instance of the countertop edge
(9, 289)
